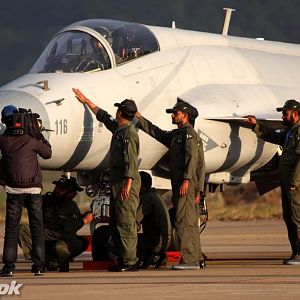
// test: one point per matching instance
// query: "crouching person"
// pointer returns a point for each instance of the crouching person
(62, 219)
(156, 236)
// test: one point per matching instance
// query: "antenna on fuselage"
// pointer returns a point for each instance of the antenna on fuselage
(227, 19)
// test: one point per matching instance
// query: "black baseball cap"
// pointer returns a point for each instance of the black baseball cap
(184, 107)
(289, 104)
(69, 183)
(128, 107)
(194, 112)
(179, 106)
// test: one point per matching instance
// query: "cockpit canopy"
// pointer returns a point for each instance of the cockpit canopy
(95, 45)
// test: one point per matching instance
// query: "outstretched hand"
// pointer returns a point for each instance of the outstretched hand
(251, 120)
(79, 95)
(83, 99)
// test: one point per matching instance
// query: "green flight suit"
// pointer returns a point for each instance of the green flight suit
(200, 169)
(123, 163)
(289, 172)
(184, 160)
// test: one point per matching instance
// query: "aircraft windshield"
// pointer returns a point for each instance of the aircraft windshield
(72, 51)
(77, 51)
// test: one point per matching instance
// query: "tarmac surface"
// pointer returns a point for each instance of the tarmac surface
(245, 262)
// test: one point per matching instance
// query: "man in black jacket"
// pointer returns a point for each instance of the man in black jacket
(62, 219)
(23, 184)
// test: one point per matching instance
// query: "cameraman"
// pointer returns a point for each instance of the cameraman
(23, 184)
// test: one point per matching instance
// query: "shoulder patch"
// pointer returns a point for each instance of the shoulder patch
(189, 136)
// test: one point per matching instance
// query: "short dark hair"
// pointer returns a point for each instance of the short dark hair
(146, 179)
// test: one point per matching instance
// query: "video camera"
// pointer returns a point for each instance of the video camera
(27, 122)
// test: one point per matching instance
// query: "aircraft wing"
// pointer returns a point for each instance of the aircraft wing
(232, 102)
(274, 123)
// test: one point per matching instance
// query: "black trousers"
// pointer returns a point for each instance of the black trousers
(57, 252)
(14, 207)
(147, 245)
(55, 249)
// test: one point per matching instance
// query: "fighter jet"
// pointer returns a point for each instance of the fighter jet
(224, 77)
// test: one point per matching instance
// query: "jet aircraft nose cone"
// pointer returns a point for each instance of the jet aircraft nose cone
(24, 100)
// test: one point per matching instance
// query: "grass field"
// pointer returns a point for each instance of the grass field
(260, 209)
(244, 203)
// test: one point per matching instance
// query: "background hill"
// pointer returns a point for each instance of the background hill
(26, 27)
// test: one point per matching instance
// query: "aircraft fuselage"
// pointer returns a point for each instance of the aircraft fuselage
(224, 77)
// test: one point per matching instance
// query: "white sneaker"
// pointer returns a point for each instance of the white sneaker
(184, 266)
(294, 261)
(285, 260)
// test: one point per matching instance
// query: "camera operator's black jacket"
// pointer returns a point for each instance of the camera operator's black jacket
(20, 168)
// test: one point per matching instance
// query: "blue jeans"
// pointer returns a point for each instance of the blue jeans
(14, 206)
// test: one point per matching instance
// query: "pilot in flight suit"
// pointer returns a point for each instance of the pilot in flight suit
(124, 179)
(289, 170)
(184, 147)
